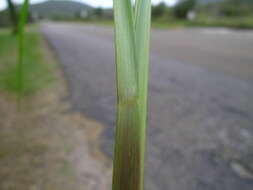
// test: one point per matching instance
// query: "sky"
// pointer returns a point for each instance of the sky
(95, 3)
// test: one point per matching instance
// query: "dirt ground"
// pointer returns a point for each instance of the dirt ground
(46, 147)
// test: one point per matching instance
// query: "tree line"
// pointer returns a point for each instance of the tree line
(225, 8)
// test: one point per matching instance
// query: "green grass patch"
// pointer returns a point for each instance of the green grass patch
(36, 72)
(235, 23)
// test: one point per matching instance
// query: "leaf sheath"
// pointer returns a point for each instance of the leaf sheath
(132, 30)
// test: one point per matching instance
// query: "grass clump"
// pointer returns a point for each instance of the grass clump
(36, 73)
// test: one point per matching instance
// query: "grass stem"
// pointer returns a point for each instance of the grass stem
(21, 49)
(132, 31)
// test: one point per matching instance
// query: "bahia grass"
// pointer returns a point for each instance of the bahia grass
(132, 36)
(21, 48)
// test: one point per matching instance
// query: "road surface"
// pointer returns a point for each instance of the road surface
(200, 134)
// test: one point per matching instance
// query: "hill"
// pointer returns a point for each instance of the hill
(59, 9)
(235, 2)
(204, 2)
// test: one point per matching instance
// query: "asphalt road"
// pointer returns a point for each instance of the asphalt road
(200, 134)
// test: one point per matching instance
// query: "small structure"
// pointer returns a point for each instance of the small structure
(191, 15)
(84, 14)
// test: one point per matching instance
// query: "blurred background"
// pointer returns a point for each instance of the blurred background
(227, 13)
(200, 120)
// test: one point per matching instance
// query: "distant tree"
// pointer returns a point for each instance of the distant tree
(182, 8)
(240, 2)
(237, 8)
(98, 12)
(13, 16)
(4, 18)
(159, 10)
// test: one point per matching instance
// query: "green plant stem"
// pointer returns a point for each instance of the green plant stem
(21, 49)
(132, 30)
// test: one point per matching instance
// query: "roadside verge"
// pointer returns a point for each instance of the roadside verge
(45, 146)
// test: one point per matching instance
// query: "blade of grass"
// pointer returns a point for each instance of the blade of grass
(125, 48)
(126, 94)
(21, 30)
(142, 41)
(132, 57)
